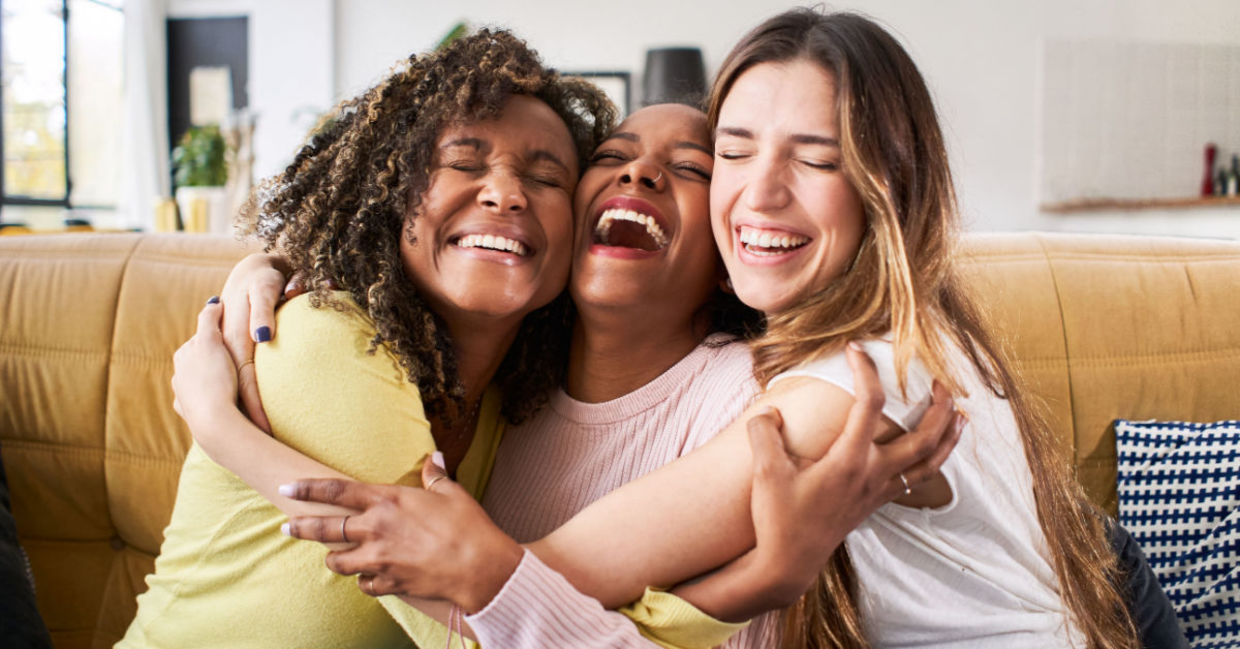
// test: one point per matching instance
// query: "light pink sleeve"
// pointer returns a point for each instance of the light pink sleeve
(539, 608)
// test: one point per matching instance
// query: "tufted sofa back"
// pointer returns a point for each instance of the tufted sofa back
(1101, 327)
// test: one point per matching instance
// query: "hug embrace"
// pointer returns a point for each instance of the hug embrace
(695, 379)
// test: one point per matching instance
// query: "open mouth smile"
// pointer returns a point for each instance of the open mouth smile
(768, 243)
(493, 242)
(631, 223)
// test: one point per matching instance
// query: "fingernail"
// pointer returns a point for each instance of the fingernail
(285, 530)
(437, 460)
(214, 299)
(855, 346)
(286, 490)
(262, 334)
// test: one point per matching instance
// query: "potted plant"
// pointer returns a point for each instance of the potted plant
(199, 174)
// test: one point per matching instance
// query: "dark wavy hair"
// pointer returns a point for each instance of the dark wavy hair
(339, 210)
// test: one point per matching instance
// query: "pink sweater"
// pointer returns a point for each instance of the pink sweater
(572, 453)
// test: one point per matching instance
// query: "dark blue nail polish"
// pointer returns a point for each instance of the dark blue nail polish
(262, 334)
(214, 299)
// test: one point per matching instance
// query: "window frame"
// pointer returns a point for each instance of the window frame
(18, 200)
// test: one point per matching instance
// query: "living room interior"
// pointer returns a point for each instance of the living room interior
(1045, 133)
(1095, 145)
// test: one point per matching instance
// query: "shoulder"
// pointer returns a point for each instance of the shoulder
(334, 337)
(905, 402)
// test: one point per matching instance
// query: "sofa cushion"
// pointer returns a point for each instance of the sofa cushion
(1179, 495)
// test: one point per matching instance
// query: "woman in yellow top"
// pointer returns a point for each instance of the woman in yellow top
(440, 202)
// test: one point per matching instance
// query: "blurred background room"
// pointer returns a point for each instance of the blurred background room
(1061, 115)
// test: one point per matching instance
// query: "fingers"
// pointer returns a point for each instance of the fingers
(209, 320)
(867, 411)
(927, 468)
(433, 472)
(377, 585)
(770, 457)
(326, 529)
(265, 292)
(346, 493)
(247, 386)
(296, 286)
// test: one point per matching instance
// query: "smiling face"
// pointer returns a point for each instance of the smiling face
(493, 233)
(644, 234)
(786, 218)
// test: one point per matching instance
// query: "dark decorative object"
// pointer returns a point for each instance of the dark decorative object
(1207, 183)
(674, 75)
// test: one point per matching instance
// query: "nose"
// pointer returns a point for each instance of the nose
(644, 174)
(766, 190)
(503, 193)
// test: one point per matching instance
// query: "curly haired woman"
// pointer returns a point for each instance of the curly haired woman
(440, 204)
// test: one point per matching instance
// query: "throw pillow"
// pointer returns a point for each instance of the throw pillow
(1179, 495)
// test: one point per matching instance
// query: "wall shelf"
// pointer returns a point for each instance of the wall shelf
(1105, 204)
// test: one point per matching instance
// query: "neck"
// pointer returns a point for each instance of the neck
(616, 351)
(480, 345)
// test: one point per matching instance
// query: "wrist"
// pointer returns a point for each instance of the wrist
(493, 569)
(207, 424)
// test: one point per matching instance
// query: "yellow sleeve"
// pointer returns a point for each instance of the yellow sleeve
(330, 399)
(674, 623)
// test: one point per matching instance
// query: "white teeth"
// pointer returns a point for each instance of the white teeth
(753, 239)
(610, 216)
(492, 242)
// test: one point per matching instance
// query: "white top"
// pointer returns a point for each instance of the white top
(572, 453)
(975, 572)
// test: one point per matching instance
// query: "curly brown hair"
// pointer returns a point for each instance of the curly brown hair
(339, 210)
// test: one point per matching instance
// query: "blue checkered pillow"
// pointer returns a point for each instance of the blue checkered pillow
(1179, 495)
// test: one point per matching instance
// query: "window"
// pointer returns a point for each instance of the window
(62, 99)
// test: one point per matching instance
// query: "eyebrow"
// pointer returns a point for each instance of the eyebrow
(480, 144)
(683, 144)
(471, 142)
(799, 138)
(543, 154)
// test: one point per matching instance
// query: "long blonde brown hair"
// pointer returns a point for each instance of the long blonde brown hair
(904, 282)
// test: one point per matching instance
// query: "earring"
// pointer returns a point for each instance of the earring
(725, 285)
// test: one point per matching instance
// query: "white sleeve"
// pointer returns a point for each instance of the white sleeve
(905, 409)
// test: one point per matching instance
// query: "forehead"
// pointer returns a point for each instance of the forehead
(798, 93)
(667, 124)
(524, 124)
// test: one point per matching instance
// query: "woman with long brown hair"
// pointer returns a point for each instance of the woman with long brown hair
(839, 221)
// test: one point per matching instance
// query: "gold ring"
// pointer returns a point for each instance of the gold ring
(248, 361)
(907, 489)
(342, 533)
(434, 480)
(367, 584)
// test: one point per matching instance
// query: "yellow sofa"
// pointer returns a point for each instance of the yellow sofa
(1103, 327)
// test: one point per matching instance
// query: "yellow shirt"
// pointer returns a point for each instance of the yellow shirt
(226, 576)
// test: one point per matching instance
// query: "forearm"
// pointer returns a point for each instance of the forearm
(261, 461)
(691, 516)
(739, 591)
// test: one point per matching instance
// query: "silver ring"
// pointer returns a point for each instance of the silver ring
(342, 532)
(657, 178)
(434, 480)
(367, 584)
(907, 489)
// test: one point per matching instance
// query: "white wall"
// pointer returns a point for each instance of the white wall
(291, 80)
(980, 57)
